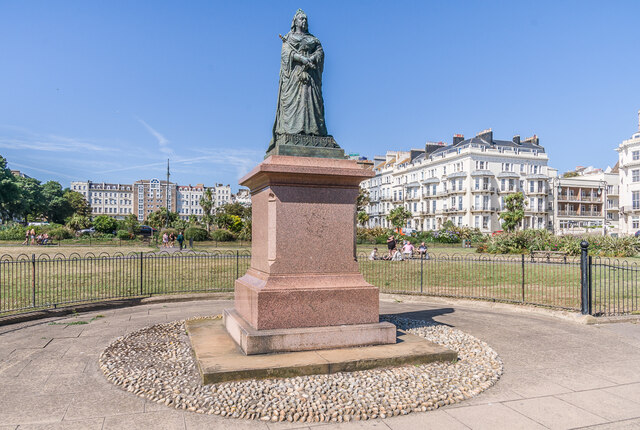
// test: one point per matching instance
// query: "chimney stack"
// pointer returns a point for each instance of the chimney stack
(516, 139)
(486, 135)
(457, 138)
(639, 120)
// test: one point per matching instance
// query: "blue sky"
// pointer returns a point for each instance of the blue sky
(107, 90)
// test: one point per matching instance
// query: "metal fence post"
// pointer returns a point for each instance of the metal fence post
(141, 265)
(590, 287)
(237, 264)
(33, 278)
(421, 269)
(584, 277)
(522, 278)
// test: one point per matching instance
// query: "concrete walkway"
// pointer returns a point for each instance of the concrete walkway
(558, 374)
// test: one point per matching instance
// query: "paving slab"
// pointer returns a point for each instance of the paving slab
(493, 417)
(91, 424)
(206, 422)
(633, 424)
(103, 403)
(554, 413)
(604, 404)
(433, 420)
(220, 359)
(160, 420)
(27, 408)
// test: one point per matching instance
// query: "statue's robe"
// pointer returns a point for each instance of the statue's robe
(300, 105)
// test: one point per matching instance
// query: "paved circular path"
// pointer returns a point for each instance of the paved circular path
(558, 374)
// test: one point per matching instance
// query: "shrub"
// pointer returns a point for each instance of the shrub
(59, 233)
(13, 232)
(105, 224)
(222, 235)
(527, 241)
(125, 235)
(196, 233)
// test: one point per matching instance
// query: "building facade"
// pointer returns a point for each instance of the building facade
(115, 200)
(243, 196)
(464, 182)
(629, 167)
(149, 195)
(146, 196)
(586, 203)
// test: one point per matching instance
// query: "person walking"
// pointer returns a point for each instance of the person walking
(180, 240)
(32, 236)
(26, 237)
(165, 240)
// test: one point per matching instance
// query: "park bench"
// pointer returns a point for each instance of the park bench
(549, 256)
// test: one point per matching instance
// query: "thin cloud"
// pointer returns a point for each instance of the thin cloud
(24, 166)
(19, 138)
(163, 142)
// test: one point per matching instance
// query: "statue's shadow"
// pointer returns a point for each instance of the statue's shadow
(415, 319)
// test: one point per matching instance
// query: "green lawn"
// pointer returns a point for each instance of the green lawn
(67, 276)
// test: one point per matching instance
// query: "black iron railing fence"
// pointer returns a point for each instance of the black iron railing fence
(37, 282)
(598, 286)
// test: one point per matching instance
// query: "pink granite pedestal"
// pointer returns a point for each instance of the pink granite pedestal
(304, 275)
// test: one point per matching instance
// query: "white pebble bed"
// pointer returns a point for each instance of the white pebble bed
(157, 363)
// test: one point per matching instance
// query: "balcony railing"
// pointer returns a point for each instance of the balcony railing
(574, 198)
(581, 213)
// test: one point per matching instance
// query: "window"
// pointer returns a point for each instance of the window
(635, 199)
(531, 186)
(485, 222)
(635, 222)
(477, 221)
(502, 184)
(460, 203)
(477, 184)
(635, 155)
(635, 175)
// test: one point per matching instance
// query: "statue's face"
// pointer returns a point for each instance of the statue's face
(301, 23)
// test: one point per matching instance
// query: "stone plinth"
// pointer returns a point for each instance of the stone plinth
(219, 359)
(253, 341)
(303, 270)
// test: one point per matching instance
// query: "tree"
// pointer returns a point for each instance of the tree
(514, 213)
(78, 203)
(158, 218)
(570, 174)
(363, 217)
(105, 224)
(398, 216)
(78, 222)
(131, 224)
(207, 204)
(362, 200)
(31, 201)
(55, 207)
(9, 192)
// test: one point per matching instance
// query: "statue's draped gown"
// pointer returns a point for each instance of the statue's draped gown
(300, 105)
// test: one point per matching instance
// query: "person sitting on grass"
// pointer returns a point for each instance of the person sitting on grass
(407, 250)
(374, 255)
(397, 256)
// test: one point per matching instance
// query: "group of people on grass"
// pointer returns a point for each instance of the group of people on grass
(30, 238)
(169, 240)
(405, 252)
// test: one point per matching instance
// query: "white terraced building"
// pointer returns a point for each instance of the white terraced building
(464, 182)
(115, 200)
(629, 167)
